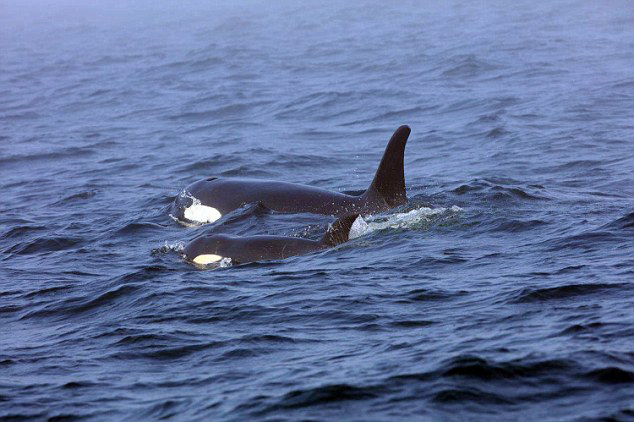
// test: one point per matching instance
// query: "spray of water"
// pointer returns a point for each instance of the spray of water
(405, 220)
(169, 247)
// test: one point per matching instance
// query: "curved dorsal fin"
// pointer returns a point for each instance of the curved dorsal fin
(389, 180)
(339, 231)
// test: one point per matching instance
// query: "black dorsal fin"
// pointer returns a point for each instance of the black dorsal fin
(389, 180)
(339, 231)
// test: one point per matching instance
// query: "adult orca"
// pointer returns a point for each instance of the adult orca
(207, 200)
(214, 248)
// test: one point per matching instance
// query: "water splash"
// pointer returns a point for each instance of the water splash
(225, 262)
(168, 247)
(412, 220)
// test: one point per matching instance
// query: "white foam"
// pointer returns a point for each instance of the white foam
(177, 247)
(358, 228)
(404, 220)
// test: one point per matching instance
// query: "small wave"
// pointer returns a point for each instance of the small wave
(496, 132)
(219, 113)
(240, 353)
(499, 190)
(395, 115)
(133, 228)
(587, 240)
(72, 152)
(428, 295)
(325, 394)
(317, 102)
(272, 338)
(73, 385)
(564, 292)
(582, 328)
(6, 309)
(24, 115)
(623, 223)
(19, 231)
(286, 161)
(207, 164)
(169, 353)
(145, 273)
(574, 165)
(31, 416)
(409, 323)
(79, 305)
(196, 65)
(48, 291)
(479, 368)
(44, 244)
(466, 66)
(501, 193)
(143, 339)
(467, 369)
(611, 375)
(77, 196)
(514, 226)
(166, 409)
(476, 395)
(247, 171)
(105, 298)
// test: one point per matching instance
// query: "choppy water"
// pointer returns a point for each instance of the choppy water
(503, 290)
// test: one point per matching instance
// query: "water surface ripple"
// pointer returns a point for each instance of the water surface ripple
(503, 291)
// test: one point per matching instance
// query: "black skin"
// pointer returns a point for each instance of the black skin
(251, 248)
(242, 249)
(386, 191)
(281, 197)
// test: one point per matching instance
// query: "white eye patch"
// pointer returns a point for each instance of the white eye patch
(201, 213)
(207, 259)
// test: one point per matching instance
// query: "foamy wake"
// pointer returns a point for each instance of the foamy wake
(168, 247)
(407, 220)
(224, 263)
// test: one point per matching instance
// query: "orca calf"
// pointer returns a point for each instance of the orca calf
(207, 200)
(214, 248)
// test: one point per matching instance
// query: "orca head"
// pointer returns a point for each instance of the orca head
(187, 209)
(205, 250)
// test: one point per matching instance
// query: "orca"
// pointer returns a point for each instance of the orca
(212, 249)
(207, 200)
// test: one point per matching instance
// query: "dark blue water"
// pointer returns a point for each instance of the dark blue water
(504, 290)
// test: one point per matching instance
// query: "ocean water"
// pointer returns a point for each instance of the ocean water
(504, 289)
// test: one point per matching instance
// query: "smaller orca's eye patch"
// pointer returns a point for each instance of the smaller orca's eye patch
(206, 259)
